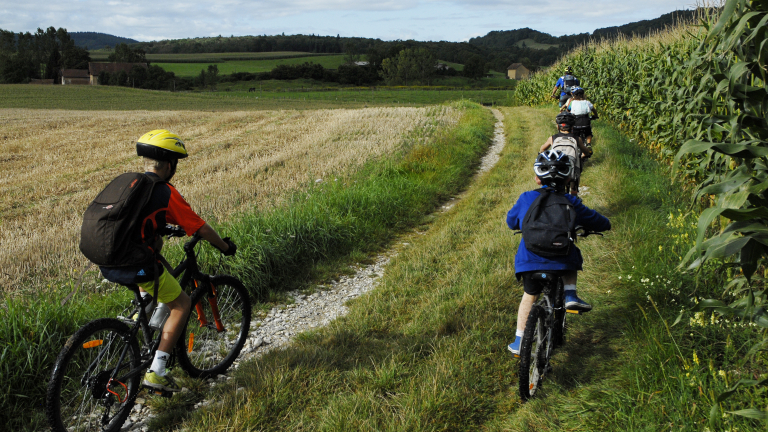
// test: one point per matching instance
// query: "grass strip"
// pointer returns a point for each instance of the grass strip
(427, 349)
(281, 95)
(278, 249)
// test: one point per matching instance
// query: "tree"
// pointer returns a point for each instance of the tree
(352, 53)
(124, 54)
(212, 76)
(417, 65)
(74, 57)
(475, 68)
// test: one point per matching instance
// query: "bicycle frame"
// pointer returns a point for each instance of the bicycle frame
(191, 275)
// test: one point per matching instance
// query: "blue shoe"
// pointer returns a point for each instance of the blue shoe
(514, 347)
(573, 302)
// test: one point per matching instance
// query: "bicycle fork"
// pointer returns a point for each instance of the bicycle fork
(201, 317)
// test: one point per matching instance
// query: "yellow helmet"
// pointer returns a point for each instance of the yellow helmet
(161, 145)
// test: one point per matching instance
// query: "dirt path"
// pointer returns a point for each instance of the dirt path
(282, 323)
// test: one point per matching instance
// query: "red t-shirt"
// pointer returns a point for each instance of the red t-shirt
(167, 206)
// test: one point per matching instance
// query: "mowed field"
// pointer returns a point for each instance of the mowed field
(54, 162)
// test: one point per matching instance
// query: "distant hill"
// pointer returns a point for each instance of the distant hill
(94, 40)
(501, 40)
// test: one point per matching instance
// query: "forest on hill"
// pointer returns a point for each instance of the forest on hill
(95, 40)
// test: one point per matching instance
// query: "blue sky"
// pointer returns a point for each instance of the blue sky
(449, 20)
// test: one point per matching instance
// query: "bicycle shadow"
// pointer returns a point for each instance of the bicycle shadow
(589, 345)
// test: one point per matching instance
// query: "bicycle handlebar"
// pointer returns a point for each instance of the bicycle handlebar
(583, 232)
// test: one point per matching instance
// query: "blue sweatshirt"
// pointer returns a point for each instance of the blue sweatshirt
(526, 261)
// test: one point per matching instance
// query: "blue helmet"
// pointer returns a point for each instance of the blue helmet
(553, 167)
(577, 91)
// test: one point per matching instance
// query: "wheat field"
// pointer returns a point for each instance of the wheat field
(53, 164)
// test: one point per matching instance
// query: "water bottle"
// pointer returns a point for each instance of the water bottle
(159, 316)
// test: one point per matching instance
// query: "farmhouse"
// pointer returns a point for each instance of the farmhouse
(75, 76)
(94, 69)
(517, 71)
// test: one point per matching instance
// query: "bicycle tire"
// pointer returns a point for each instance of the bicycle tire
(73, 399)
(559, 326)
(204, 352)
(534, 354)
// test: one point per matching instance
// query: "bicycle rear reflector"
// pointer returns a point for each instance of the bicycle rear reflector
(93, 343)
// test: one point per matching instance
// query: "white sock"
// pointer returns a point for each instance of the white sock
(158, 364)
(519, 333)
(571, 287)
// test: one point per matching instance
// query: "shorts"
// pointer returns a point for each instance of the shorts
(535, 287)
(169, 287)
(582, 131)
(564, 98)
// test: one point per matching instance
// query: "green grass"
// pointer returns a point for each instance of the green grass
(253, 66)
(270, 95)
(316, 231)
(427, 349)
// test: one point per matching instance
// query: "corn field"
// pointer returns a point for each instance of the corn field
(698, 96)
(55, 162)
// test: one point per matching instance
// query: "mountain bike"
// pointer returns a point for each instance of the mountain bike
(97, 375)
(544, 330)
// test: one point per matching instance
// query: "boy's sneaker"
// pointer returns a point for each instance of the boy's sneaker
(514, 347)
(165, 382)
(573, 302)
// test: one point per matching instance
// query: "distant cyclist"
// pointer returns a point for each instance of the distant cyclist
(564, 83)
(584, 112)
(570, 145)
(552, 171)
(162, 150)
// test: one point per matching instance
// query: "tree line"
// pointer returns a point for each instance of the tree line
(39, 55)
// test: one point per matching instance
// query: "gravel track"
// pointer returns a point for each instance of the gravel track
(283, 322)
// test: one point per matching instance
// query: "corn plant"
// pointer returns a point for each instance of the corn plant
(696, 95)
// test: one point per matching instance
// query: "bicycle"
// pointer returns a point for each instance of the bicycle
(544, 329)
(97, 375)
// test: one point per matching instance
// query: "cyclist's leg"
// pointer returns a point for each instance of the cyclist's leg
(179, 304)
(170, 293)
(572, 300)
(530, 295)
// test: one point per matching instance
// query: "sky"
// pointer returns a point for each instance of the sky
(422, 20)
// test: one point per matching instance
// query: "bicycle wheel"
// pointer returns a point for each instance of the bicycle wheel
(559, 326)
(79, 397)
(534, 353)
(204, 351)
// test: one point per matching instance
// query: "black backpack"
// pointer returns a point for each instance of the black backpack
(568, 82)
(549, 224)
(109, 235)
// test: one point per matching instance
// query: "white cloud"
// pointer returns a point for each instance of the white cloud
(452, 20)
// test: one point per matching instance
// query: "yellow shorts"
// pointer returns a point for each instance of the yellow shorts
(169, 287)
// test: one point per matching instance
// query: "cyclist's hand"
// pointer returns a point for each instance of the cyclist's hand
(595, 118)
(232, 247)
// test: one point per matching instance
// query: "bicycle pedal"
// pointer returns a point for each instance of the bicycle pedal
(574, 311)
(163, 393)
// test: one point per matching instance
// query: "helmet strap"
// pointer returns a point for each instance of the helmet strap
(173, 163)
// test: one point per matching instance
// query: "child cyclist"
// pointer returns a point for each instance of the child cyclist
(552, 170)
(571, 145)
(162, 150)
(584, 112)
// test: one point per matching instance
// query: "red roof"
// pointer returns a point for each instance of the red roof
(97, 68)
(75, 73)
